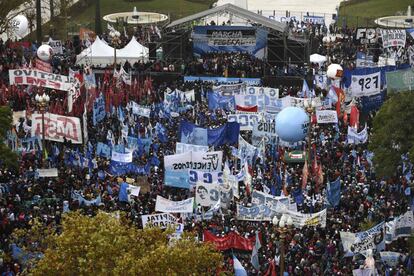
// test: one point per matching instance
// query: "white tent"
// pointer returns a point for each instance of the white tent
(132, 52)
(98, 53)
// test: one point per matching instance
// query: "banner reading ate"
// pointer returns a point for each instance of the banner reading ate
(57, 127)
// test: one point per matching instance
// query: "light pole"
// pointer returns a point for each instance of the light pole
(280, 226)
(116, 41)
(310, 105)
(42, 103)
(329, 42)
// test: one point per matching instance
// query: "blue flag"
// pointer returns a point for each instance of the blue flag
(333, 192)
(215, 100)
(123, 192)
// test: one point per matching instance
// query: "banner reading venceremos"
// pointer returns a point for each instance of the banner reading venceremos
(399, 81)
(57, 127)
(44, 79)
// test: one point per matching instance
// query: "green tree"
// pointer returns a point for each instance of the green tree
(106, 245)
(393, 133)
(8, 158)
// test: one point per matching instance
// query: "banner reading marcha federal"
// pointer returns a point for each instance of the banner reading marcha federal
(158, 220)
(44, 79)
(57, 127)
(169, 206)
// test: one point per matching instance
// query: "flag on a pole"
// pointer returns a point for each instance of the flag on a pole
(255, 253)
(238, 268)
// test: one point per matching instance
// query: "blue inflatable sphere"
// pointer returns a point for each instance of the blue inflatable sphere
(292, 124)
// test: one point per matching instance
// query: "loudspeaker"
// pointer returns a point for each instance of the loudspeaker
(77, 44)
(152, 50)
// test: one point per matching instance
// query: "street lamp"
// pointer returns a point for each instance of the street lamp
(42, 103)
(280, 226)
(116, 41)
(329, 42)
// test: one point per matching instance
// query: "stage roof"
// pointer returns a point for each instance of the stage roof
(235, 11)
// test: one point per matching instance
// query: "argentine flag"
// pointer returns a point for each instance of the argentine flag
(238, 268)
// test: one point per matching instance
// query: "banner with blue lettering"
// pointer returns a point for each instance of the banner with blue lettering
(226, 134)
(264, 102)
(98, 110)
(30, 145)
(103, 150)
(246, 119)
(373, 102)
(215, 100)
(195, 176)
(176, 166)
(207, 39)
(249, 81)
(365, 61)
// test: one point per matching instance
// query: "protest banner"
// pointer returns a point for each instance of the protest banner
(224, 80)
(195, 176)
(103, 150)
(140, 110)
(393, 37)
(43, 66)
(326, 117)
(57, 127)
(229, 241)
(300, 220)
(207, 194)
(392, 258)
(182, 148)
(321, 81)
(355, 137)
(401, 226)
(169, 206)
(121, 157)
(254, 213)
(98, 112)
(262, 101)
(40, 78)
(266, 130)
(215, 101)
(273, 202)
(314, 19)
(53, 172)
(272, 93)
(177, 166)
(359, 242)
(56, 46)
(366, 85)
(365, 61)
(246, 120)
(162, 220)
(139, 144)
(366, 35)
(29, 145)
(246, 151)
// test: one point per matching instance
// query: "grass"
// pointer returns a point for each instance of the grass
(85, 16)
(362, 13)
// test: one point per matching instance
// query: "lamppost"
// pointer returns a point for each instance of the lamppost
(116, 41)
(310, 105)
(329, 42)
(280, 226)
(42, 103)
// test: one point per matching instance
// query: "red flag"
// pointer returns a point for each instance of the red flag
(271, 271)
(247, 108)
(305, 174)
(354, 118)
(345, 118)
(341, 99)
(319, 178)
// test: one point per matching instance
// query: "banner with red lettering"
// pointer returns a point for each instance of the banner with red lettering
(57, 127)
(230, 241)
(43, 66)
(44, 79)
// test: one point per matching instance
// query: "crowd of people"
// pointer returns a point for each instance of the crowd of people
(311, 250)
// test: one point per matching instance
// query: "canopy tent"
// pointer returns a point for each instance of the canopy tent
(99, 53)
(132, 52)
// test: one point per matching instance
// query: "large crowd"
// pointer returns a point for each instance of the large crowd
(310, 250)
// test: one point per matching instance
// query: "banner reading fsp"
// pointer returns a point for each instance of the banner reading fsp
(208, 39)
(57, 127)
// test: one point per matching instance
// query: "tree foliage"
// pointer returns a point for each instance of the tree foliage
(393, 133)
(8, 10)
(106, 245)
(8, 158)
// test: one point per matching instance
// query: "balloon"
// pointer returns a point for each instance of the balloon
(45, 52)
(292, 124)
(334, 71)
(19, 25)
